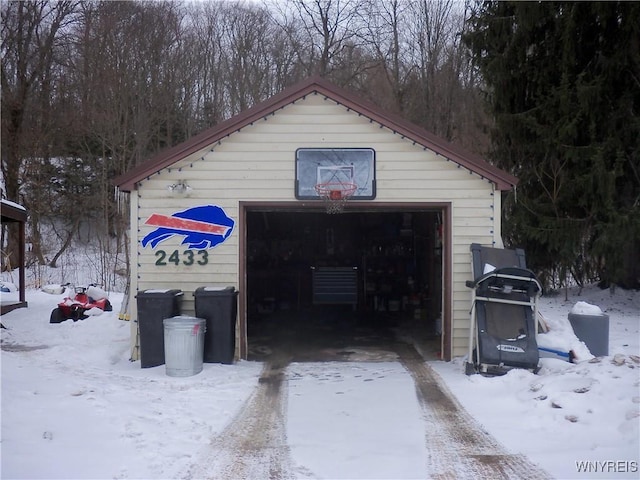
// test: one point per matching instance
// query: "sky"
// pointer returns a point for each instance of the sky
(75, 407)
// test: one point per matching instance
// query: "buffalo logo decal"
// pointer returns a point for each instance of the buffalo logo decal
(202, 227)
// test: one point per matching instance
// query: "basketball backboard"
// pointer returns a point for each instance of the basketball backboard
(335, 165)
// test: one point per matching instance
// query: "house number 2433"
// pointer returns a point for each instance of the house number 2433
(187, 257)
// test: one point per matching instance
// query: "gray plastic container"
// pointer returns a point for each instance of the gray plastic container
(593, 330)
(183, 345)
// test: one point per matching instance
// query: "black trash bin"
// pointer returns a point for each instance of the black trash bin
(154, 306)
(219, 307)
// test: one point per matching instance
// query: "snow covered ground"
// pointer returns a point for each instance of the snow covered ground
(569, 417)
(75, 407)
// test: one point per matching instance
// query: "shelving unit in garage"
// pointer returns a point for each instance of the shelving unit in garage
(401, 267)
(389, 269)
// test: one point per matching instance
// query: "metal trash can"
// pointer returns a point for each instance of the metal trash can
(154, 305)
(593, 330)
(183, 345)
(219, 306)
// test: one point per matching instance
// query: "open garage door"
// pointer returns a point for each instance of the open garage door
(318, 282)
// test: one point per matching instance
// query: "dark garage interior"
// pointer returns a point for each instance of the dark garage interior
(320, 282)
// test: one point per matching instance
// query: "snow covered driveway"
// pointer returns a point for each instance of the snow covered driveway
(456, 445)
(254, 444)
(388, 418)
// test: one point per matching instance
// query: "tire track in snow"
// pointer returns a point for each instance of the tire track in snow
(254, 444)
(457, 447)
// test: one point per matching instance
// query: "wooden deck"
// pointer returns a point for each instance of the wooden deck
(9, 306)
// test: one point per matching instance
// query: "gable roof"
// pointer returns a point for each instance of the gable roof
(503, 180)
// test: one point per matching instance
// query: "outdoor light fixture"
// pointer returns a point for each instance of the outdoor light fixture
(179, 189)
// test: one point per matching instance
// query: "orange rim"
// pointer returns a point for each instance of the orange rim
(336, 190)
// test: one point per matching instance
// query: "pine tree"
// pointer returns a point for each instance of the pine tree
(563, 85)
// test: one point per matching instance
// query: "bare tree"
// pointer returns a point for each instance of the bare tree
(383, 30)
(125, 63)
(439, 85)
(30, 33)
(205, 26)
(326, 35)
(247, 61)
(243, 56)
(126, 67)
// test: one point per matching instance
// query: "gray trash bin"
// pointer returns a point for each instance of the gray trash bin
(154, 305)
(183, 345)
(219, 306)
(593, 330)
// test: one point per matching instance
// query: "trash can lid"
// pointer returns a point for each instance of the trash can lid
(213, 290)
(160, 292)
(183, 320)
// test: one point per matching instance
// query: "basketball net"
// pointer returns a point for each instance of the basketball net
(335, 195)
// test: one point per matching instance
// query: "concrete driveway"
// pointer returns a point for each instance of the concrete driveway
(310, 419)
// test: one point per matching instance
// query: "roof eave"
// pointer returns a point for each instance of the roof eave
(128, 181)
(502, 180)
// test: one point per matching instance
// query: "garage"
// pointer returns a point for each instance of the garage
(333, 219)
(321, 279)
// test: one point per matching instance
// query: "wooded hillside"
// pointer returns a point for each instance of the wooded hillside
(547, 91)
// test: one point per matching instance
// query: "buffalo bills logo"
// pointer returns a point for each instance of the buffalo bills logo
(202, 227)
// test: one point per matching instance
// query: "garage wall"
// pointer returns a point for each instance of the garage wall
(257, 163)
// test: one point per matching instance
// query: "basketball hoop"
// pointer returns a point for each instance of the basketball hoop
(336, 194)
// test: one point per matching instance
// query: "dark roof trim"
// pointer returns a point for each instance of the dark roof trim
(12, 212)
(503, 180)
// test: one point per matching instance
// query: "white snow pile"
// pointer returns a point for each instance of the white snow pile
(561, 337)
(584, 308)
(75, 407)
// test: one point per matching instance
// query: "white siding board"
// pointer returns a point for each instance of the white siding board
(257, 163)
(228, 249)
(462, 302)
(291, 120)
(474, 217)
(249, 182)
(236, 171)
(482, 221)
(177, 275)
(485, 202)
(330, 125)
(462, 269)
(461, 251)
(188, 285)
(468, 235)
(460, 341)
(409, 195)
(395, 180)
(228, 163)
(217, 264)
(327, 138)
